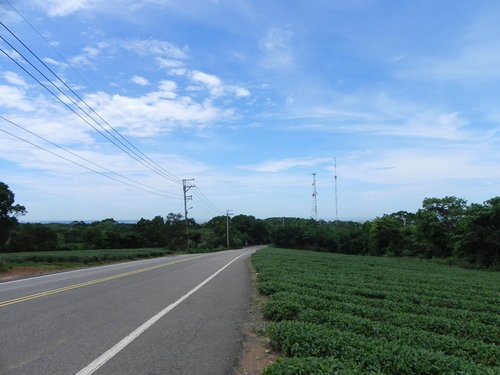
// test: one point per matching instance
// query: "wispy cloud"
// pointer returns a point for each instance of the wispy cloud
(377, 113)
(63, 8)
(424, 165)
(273, 166)
(473, 57)
(277, 49)
(155, 47)
(442, 126)
(89, 54)
(60, 8)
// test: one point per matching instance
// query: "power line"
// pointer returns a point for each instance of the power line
(130, 152)
(87, 160)
(79, 76)
(208, 204)
(49, 44)
(137, 155)
(71, 109)
(80, 165)
(173, 177)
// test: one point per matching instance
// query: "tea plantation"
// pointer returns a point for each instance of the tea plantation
(341, 314)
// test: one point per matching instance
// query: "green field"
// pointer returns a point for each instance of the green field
(341, 314)
(76, 258)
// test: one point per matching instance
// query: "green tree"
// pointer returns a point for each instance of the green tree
(8, 213)
(480, 240)
(437, 224)
(384, 236)
(33, 237)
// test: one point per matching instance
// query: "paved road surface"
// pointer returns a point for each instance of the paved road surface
(174, 315)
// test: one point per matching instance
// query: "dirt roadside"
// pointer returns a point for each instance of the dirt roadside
(23, 272)
(256, 353)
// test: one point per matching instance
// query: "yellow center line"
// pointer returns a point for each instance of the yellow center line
(88, 283)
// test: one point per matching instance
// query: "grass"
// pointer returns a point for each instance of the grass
(341, 314)
(51, 260)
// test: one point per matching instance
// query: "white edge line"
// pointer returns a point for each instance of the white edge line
(96, 268)
(110, 353)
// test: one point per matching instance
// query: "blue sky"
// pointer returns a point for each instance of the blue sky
(250, 98)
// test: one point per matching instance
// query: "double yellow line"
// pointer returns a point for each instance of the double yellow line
(88, 283)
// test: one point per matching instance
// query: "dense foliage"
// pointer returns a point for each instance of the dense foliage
(342, 314)
(159, 232)
(8, 213)
(443, 228)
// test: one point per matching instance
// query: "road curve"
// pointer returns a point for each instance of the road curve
(170, 316)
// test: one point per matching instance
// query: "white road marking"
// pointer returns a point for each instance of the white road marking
(110, 353)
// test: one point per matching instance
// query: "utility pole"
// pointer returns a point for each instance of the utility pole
(315, 203)
(228, 214)
(336, 206)
(185, 189)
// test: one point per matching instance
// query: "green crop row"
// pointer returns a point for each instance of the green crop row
(281, 306)
(298, 339)
(476, 300)
(408, 306)
(340, 314)
(477, 351)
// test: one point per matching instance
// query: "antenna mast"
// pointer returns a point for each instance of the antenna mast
(336, 206)
(315, 203)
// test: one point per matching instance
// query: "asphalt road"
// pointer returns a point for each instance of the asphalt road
(174, 315)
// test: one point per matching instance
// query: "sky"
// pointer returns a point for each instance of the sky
(250, 98)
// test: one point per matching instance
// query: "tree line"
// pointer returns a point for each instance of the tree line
(443, 228)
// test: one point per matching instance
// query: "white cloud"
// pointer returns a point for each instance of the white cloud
(216, 86)
(154, 47)
(240, 91)
(274, 166)
(60, 8)
(89, 54)
(14, 79)
(156, 112)
(15, 98)
(51, 61)
(277, 49)
(169, 63)
(141, 81)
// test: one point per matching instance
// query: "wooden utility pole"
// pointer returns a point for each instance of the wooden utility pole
(185, 189)
(228, 214)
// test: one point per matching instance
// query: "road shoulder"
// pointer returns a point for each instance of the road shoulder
(256, 353)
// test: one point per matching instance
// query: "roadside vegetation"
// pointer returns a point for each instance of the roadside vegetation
(342, 314)
(80, 258)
